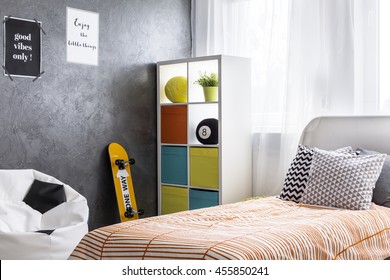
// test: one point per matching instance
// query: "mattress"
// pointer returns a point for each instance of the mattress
(264, 228)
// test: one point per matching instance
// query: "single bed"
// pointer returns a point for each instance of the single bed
(263, 228)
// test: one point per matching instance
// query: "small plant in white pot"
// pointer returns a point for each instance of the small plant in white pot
(210, 86)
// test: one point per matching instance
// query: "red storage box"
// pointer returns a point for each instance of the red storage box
(174, 124)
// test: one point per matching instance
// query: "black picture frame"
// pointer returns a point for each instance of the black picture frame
(22, 47)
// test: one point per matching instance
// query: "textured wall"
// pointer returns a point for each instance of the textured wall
(62, 123)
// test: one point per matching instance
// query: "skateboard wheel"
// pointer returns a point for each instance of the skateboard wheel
(141, 211)
(129, 214)
(131, 161)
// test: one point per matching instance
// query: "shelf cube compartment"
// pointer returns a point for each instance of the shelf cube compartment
(167, 72)
(196, 68)
(203, 198)
(204, 167)
(174, 199)
(196, 114)
(174, 165)
(174, 124)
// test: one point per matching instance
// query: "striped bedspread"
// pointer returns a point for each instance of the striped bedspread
(267, 228)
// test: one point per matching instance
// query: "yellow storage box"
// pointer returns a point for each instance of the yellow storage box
(174, 199)
(204, 167)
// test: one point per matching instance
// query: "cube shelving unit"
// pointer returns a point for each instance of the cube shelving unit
(192, 175)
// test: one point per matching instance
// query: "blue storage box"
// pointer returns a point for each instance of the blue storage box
(203, 198)
(174, 165)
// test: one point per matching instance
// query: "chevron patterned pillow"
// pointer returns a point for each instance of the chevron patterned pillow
(342, 181)
(298, 173)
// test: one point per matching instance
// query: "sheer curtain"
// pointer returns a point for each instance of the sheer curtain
(309, 58)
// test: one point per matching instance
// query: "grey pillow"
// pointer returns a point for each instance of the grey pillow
(342, 181)
(381, 194)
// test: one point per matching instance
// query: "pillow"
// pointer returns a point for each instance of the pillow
(298, 173)
(381, 194)
(342, 181)
(43, 196)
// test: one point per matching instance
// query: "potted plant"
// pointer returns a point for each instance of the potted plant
(209, 84)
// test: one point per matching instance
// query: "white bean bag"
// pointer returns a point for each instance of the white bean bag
(26, 233)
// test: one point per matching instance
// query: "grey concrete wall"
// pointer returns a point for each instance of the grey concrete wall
(62, 123)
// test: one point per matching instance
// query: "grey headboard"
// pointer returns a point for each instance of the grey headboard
(369, 132)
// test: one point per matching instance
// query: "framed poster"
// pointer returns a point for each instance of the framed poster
(22, 47)
(82, 36)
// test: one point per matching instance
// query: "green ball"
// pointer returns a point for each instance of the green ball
(176, 89)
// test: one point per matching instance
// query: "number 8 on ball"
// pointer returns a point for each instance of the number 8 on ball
(207, 131)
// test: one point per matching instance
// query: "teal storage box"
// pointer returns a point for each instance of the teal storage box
(174, 165)
(203, 198)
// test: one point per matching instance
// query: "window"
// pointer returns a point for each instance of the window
(384, 54)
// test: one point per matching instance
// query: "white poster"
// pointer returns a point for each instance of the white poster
(82, 36)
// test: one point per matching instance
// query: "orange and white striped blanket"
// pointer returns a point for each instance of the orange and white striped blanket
(266, 228)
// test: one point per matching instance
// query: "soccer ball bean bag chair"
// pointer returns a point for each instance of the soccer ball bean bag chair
(40, 217)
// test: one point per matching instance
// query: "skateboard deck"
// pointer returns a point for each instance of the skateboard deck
(121, 174)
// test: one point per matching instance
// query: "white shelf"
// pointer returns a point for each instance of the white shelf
(232, 111)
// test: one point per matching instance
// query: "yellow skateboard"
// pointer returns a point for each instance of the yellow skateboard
(120, 166)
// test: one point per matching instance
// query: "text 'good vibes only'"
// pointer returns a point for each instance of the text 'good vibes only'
(21, 44)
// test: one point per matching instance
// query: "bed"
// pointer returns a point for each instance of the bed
(273, 228)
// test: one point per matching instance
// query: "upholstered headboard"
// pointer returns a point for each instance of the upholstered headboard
(368, 132)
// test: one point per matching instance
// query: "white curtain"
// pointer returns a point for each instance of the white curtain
(309, 58)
